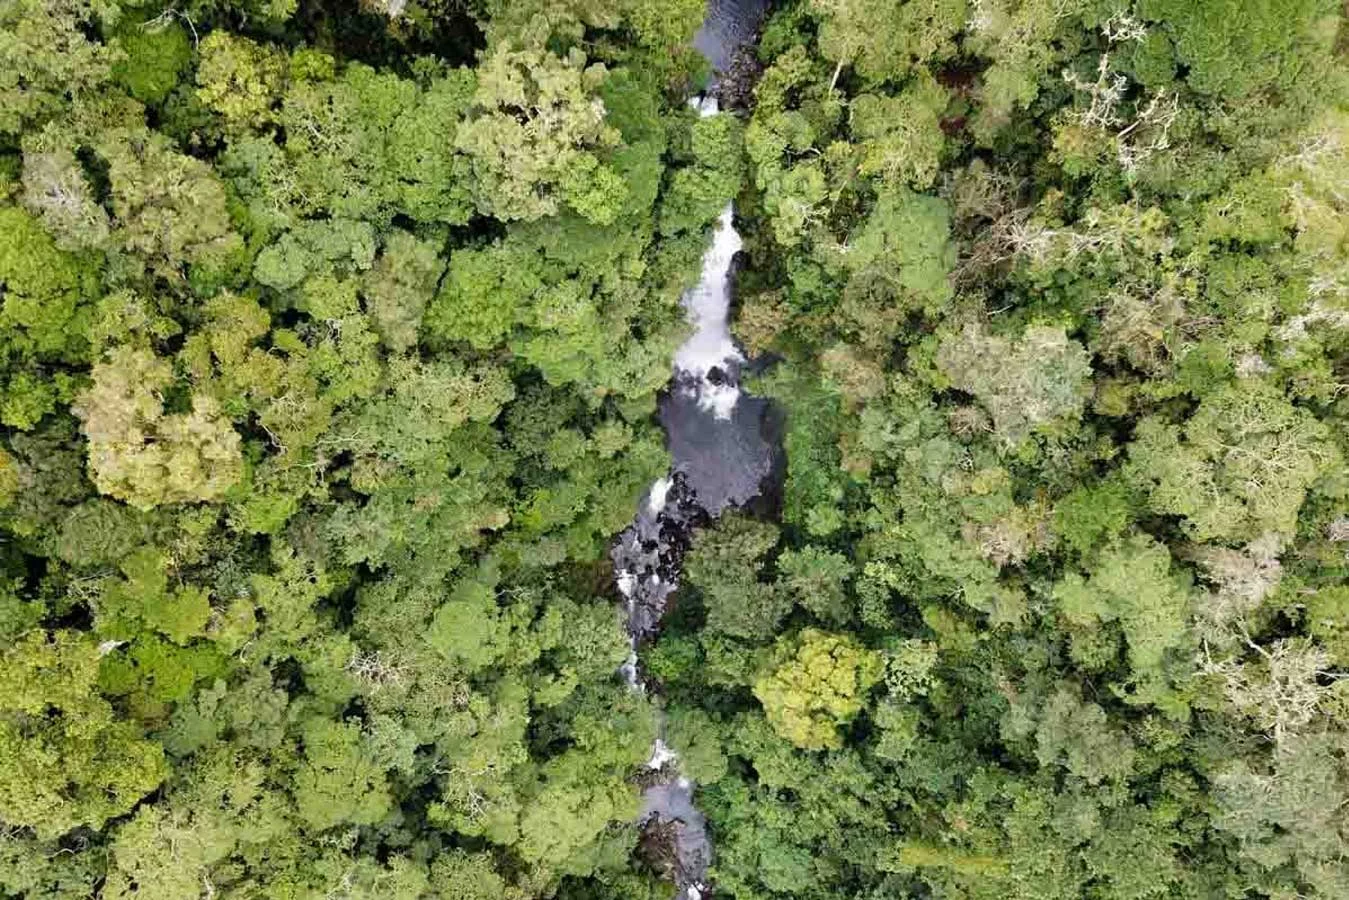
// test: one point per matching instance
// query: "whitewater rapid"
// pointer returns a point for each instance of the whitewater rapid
(709, 359)
(647, 554)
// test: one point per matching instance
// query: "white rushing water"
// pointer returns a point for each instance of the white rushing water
(655, 501)
(710, 348)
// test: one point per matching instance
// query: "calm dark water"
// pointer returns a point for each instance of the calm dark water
(725, 462)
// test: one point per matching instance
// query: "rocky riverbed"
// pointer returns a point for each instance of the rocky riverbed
(726, 453)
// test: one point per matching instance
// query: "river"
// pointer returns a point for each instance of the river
(725, 453)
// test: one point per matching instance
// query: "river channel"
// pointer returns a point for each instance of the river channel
(725, 453)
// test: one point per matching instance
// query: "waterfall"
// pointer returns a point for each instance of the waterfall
(647, 554)
(709, 356)
(724, 449)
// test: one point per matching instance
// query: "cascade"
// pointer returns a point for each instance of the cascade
(723, 454)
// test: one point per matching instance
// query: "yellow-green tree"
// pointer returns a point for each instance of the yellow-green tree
(66, 759)
(818, 682)
(532, 137)
(143, 455)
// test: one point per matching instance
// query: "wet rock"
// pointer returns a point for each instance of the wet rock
(674, 838)
(649, 553)
(735, 86)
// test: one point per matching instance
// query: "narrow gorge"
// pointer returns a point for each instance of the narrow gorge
(724, 453)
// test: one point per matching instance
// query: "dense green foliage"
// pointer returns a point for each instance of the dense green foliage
(329, 344)
(328, 367)
(1061, 292)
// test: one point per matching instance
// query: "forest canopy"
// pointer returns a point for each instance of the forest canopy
(332, 336)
